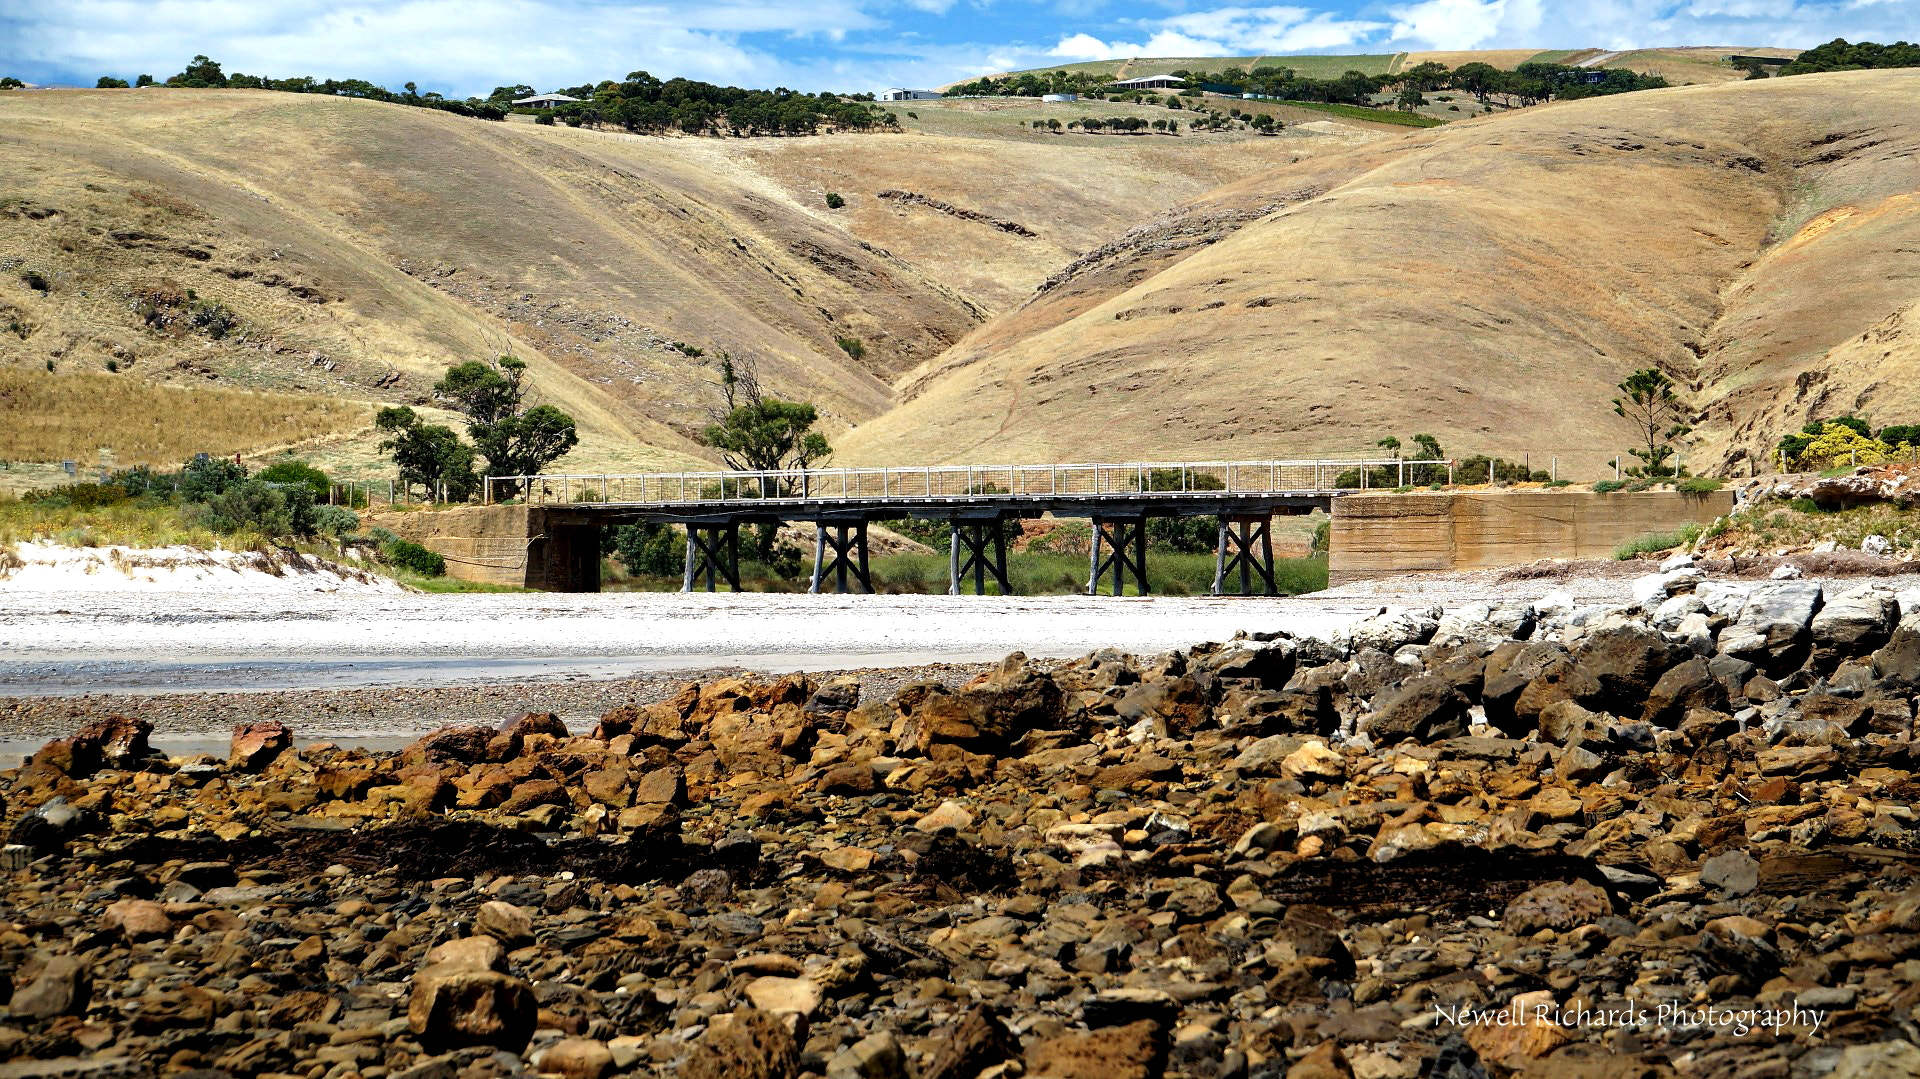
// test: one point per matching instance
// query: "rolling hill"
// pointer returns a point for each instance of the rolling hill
(1686, 65)
(1488, 282)
(351, 250)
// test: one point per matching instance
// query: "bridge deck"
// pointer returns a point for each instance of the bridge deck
(961, 491)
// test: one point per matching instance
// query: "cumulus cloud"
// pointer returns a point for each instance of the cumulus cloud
(1628, 24)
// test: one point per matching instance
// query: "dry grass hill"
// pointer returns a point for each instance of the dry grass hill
(349, 250)
(1488, 282)
(1017, 295)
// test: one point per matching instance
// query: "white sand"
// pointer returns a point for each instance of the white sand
(52, 568)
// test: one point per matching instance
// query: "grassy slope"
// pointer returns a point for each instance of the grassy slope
(1488, 282)
(365, 246)
(1682, 66)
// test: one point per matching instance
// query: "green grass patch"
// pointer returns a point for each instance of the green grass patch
(453, 585)
(1697, 485)
(1361, 112)
(1654, 542)
(1608, 486)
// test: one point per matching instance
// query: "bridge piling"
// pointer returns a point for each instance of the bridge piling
(712, 550)
(1234, 550)
(1126, 538)
(975, 535)
(848, 543)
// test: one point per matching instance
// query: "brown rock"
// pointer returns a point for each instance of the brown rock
(977, 1042)
(1560, 905)
(504, 922)
(457, 745)
(1135, 1051)
(662, 786)
(577, 1058)
(1324, 1061)
(256, 745)
(63, 987)
(856, 778)
(462, 1000)
(139, 919)
(536, 792)
(749, 1044)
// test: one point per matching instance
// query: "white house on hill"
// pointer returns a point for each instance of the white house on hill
(901, 93)
(546, 101)
(1150, 82)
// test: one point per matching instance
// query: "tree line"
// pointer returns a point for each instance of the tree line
(207, 74)
(640, 103)
(1528, 84)
(644, 104)
(1841, 55)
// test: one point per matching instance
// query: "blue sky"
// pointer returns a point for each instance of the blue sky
(460, 47)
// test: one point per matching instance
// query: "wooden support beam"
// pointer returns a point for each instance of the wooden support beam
(975, 536)
(1126, 541)
(840, 549)
(1235, 551)
(714, 551)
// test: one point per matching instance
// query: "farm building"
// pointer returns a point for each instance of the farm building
(546, 101)
(901, 93)
(1151, 82)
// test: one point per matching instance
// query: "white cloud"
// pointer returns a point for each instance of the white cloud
(1629, 24)
(1228, 31)
(461, 46)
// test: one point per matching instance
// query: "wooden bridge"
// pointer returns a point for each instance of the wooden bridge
(978, 502)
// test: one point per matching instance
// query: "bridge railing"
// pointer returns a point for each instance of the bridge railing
(960, 482)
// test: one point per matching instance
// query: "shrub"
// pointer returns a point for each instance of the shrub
(855, 348)
(258, 506)
(1655, 542)
(410, 556)
(79, 496)
(1697, 485)
(204, 477)
(545, 119)
(834, 201)
(1608, 486)
(212, 318)
(335, 520)
(1559, 483)
(294, 470)
(650, 549)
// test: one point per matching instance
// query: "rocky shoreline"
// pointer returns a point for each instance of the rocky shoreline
(1672, 839)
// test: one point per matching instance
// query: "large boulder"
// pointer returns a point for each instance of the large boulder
(1392, 629)
(1683, 688)
(1627, 660)
(748, 1044)
(1773, 629)
(114, 742)
(1852, 624)
(1424, 708)
(987, 715)
(464, 997)
(256, 745)
(64, 986)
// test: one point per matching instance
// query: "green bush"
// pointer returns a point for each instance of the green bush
(1697, 485)
(335, 520)
(834, 201)
(1608, 486)
(258, 506)
(1654, 542)
(1559, 483)
(79, 496)
(650, 549)
(410, 556)
(294, 470)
